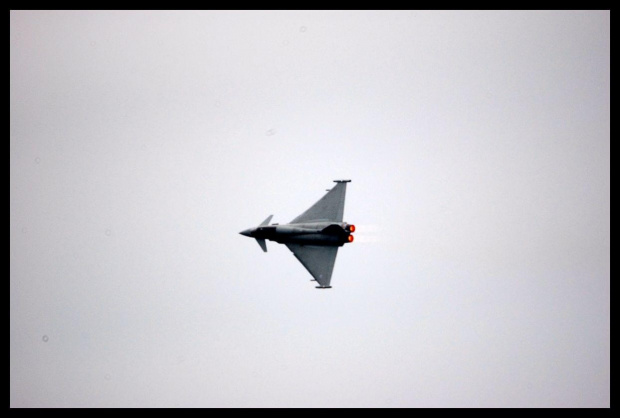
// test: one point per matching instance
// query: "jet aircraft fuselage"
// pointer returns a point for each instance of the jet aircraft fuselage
(311, 233)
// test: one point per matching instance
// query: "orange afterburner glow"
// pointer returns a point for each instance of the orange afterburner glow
(351, 228)
(350, 238)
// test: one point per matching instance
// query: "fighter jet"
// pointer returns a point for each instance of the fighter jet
(314, 236)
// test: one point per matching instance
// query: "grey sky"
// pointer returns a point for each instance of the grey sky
(478, 144)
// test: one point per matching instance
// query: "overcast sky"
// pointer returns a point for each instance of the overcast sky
(478, 144)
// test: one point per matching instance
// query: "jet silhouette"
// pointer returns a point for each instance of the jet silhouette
(314, 236)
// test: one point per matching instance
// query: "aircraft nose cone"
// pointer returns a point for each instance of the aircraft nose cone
(246, 232)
